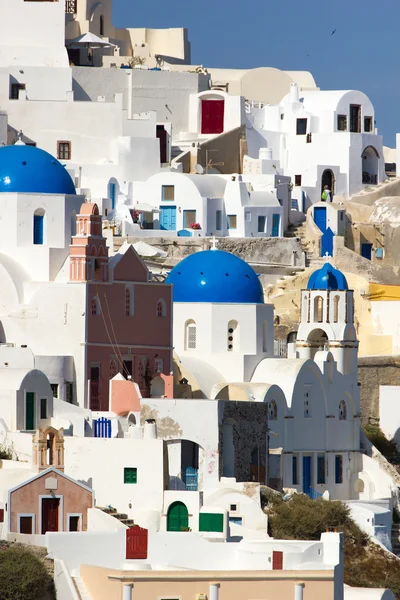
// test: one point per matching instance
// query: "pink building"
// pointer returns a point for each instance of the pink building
(128, 318)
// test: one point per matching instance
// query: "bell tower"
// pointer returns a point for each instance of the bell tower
(327, 319)
(88, 251)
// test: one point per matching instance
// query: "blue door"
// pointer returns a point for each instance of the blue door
(306, 474)
(38, 226)
(275, 225)
(320, 217)
(366, 251)
(168, 218)
(327, 242)
(112, 195)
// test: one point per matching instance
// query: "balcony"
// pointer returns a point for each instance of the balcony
(71, 7)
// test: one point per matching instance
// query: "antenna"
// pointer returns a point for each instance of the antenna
(199, 169)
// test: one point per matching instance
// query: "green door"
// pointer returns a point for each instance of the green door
(177, 518)
(30, 411)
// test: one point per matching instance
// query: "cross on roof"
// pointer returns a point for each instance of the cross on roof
(214, 243)
(327, 257)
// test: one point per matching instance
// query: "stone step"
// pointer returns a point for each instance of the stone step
(120, 516)
(109, 510)
(128, 522)
(81, 588)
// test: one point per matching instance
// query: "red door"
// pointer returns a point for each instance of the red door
(212, 116)
(50, 507)
(136, 542)
(277, 561)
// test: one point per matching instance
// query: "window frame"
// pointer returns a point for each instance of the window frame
(26, 515)
(264, 228)
(79, 515)
(167, 188)
(55, 389)
(321, 473)
(61, 150)
(342, 120)
(297, 180)
(338, 471)
(301, 126)
(295, 469)
(41, 411)
(18, 87)
(228, 226)
(218, 220)
(133, 471)
(186, 222)
(371, 121)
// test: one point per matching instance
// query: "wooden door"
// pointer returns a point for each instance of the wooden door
(178, 517)
(50, 508)
(25, 525)
(212, 116)
(30, 411)
(136, 543)
(277, 560)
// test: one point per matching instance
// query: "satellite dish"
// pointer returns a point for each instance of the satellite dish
(199, 169)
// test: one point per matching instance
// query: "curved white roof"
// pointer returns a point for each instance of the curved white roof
(209, 186)
(206, 375)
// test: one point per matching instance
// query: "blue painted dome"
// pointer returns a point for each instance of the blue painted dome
(32, 170)
(215, 276)
(327, 278)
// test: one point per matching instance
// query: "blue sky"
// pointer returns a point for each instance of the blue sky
(362, 54)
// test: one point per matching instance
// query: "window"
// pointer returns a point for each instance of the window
(130, 475)
(74, 523)
(101, 28)
(211, 522)
(38, 227)
(368, 124)
(236, 520)
(336, 301)
(247, 216)
(95, 306)
(15, 89)
(231, 221)
(69, 392)
(342, 122)
(307, 405)
(233, 508)
(338, 468)
(233, 336)
(54, 389)
(190, 342)
(168, 192)
(295, 472)
(218, 220)
(158, 365)
(129, 299)
(64, 150)
(25, 524)
(318, 309)
(161, 308)
(189, 218)
(43, 408)
(321, 469)
(297, 180)
(282, 116)
(261, 224)
(301, 126)
(272, 410)
(342, 411)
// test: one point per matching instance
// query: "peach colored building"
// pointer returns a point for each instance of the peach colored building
(106, 584)
(49, 501)
(128, 323)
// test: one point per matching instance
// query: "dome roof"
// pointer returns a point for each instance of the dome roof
(327, 278)
(32, 170)
(215, 276)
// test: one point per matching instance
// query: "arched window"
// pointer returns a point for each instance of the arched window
(233, 336)
(38, 226)
(190, 335)
(96, 306)
(272, 410)
(161, 308)
(127, 302)
(318, 309)
(342, 411)
(113, 368)
(336, 309)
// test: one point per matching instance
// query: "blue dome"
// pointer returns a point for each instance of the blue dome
(32, 170)
(215, 276)
(327, 278)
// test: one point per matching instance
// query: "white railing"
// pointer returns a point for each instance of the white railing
(280, 348)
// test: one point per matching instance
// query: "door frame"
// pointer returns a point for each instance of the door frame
(25, 411)
(60, 511)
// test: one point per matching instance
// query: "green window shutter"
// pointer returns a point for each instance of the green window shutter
(211, 522)
(130, 475)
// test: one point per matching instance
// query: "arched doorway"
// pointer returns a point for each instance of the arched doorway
(177, 517)
(370, 165)
(328, 178)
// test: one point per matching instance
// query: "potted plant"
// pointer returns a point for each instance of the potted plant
(195, 226)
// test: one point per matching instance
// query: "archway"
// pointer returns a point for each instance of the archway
(328, 178)
(370, 165)
(177, 517)
(318, 340)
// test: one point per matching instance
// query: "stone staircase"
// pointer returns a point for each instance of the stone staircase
(396, 539)
(81, 588)
(299, 231)
(122, 517)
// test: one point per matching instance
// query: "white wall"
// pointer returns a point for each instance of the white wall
(389, 406)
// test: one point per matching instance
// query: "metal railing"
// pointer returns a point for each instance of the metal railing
(71, 7)
(280, 348)
(369, 178)
(313, 494)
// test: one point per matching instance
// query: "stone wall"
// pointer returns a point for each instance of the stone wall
(374, 371)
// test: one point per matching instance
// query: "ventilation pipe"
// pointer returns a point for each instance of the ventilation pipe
(298, 591)
(150, 429)
(214, 591)
(127, 591)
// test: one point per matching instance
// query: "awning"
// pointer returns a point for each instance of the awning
(144, 207)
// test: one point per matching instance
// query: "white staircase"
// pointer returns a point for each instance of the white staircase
(81, 588)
